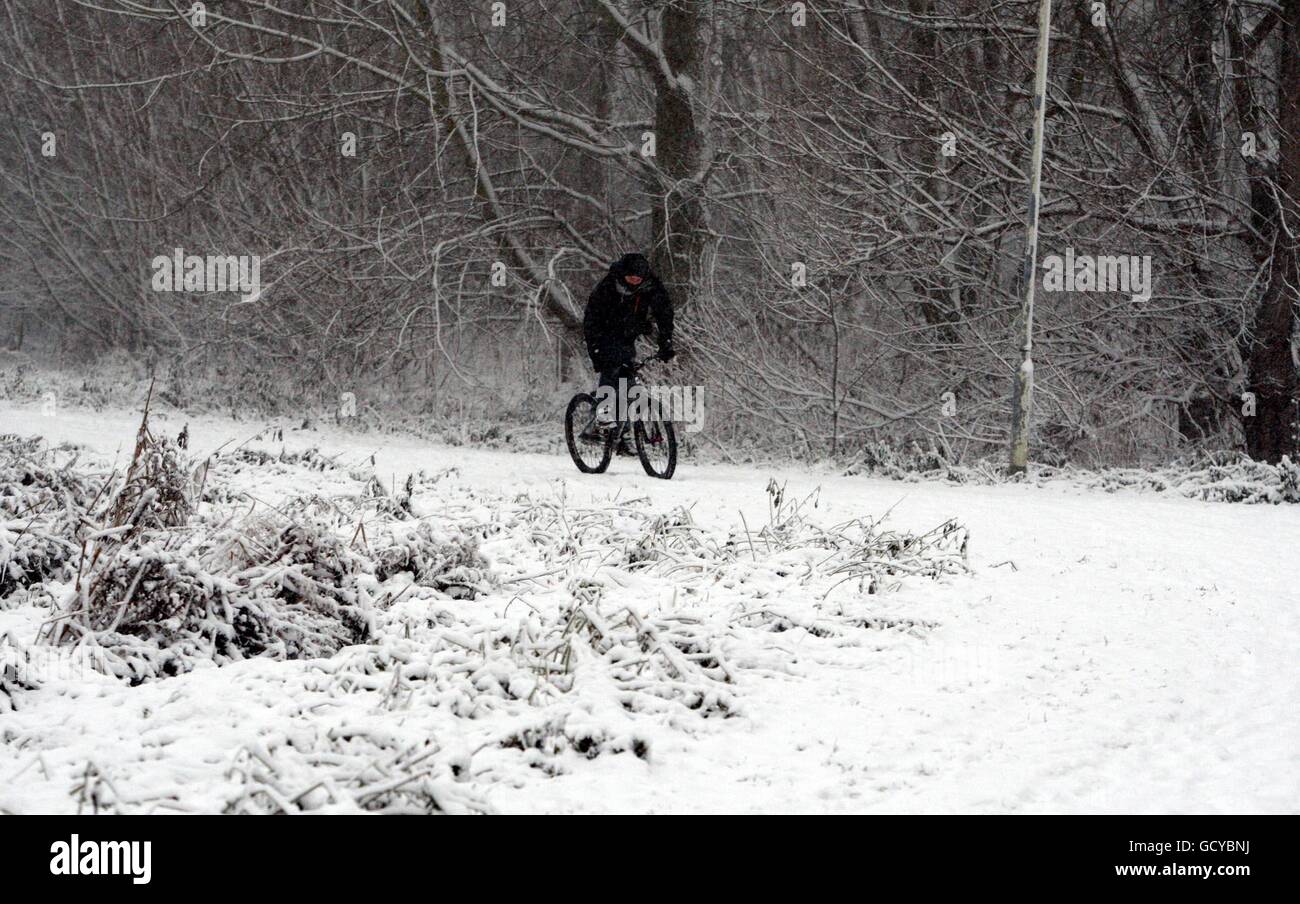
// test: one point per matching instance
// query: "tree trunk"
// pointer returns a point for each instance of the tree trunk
(1271, 371)
(680, 217)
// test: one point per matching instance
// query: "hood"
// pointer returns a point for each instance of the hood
(634, 264)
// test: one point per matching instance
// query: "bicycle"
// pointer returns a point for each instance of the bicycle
(591, 447)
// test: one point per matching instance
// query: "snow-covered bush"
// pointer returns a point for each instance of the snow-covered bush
(157, 591)
(156, 607)
(41, 501)
(1215, 476)
(29, 554)
(1225, 477)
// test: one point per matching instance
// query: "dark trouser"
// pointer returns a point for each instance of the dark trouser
(611, 376)
(611, 372)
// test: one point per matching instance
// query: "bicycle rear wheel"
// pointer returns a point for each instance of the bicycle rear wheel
(656, 446)
(591, 455)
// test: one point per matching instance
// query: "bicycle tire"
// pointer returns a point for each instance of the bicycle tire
(660, 433)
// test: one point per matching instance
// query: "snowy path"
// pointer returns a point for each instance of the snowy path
(1140, 655)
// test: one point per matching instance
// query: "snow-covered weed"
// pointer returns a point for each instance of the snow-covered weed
(42, 496)
(347, 771)
(14, 674)
(407, 643)
(447, 561)
(157, 592)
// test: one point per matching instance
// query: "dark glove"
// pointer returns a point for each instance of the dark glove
(667, 354)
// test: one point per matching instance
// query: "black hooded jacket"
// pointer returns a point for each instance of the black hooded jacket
(618, 313)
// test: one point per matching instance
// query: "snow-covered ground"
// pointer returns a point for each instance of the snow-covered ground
(1123, 652)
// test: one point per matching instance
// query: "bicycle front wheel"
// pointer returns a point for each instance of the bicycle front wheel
(656, 446)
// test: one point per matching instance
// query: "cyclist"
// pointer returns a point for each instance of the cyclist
(629, 302)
